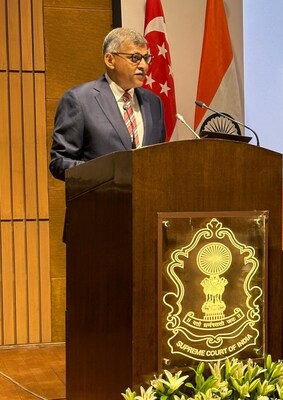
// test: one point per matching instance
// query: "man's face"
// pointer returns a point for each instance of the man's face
(122, 70)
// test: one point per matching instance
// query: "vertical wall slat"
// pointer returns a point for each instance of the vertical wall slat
(41, 146)
(45, 283)
(14, 61)
(33, 281)
(16, 133)
(5, 171)
(29, 146)
(8, 288)
(21, 283)
(26, 35)
(38, 37)
(3, 36)
(1, 290)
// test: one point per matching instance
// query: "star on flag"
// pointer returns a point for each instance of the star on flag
(149, 81)
(164, 88)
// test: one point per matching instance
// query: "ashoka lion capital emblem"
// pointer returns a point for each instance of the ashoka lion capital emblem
(213, 260)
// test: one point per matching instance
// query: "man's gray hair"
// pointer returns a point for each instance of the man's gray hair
(116, 37)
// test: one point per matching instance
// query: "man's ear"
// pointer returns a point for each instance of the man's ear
(109, 60)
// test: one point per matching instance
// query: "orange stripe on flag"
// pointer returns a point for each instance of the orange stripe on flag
(216, 56)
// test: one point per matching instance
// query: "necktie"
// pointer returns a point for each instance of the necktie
(130, 119)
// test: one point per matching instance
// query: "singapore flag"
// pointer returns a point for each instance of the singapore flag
(159, 78)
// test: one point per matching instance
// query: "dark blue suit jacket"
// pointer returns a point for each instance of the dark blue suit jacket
(89, 124)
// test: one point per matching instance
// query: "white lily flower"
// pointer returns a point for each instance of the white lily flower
(148, 394)
(157, 383)
(129, 395)
(174, 381)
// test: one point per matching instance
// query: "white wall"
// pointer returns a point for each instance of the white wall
(263, 49)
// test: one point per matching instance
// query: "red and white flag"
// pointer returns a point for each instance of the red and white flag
(218, 85)
(159, 78)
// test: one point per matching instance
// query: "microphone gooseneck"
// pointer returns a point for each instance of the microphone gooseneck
(203, 105)
(181, 118)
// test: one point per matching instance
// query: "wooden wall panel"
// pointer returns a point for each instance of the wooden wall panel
(1, 290)
(16, 142)
(7, 279)
(21, 283)
(25, 291)
(73, 41)
(5, 151)
(74, 31)
(13, 27)
(58, 308)
(25, 277)
(3, 36)
(45, 282)
(26, 35)
(57, 247)
(41, 146)
(33, 281)
(29, 146)
(32, 255)
(38, 38)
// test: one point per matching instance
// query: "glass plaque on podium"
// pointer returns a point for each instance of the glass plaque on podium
(212, 287)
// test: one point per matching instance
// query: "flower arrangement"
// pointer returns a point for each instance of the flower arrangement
(231, 380)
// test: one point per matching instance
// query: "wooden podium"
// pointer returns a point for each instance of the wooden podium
(111, 237)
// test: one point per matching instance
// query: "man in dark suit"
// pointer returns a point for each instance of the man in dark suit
(90, 119)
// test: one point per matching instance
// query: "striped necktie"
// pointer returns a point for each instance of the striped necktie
(130, 119)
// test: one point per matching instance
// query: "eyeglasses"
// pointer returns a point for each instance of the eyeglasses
(136, 57)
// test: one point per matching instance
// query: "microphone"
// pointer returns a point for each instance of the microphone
(180, 118)
(203, 105)
(125, 108)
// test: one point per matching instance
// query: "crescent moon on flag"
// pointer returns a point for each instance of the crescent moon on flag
(156, 24)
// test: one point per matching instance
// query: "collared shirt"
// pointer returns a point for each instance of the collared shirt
(118, 94)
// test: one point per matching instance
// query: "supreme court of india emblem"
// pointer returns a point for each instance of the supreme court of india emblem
(212, 286)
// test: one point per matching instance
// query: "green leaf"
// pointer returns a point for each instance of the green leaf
(253, 385)
(268, 361)
(190, 385)
(236, 384)
(200, 368)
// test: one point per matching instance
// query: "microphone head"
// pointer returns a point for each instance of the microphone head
(179, 117)
(199, 103)
(125, 106)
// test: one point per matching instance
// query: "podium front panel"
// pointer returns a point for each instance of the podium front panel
(111, 226)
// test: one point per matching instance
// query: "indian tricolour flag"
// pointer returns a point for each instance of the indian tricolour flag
(218, 85)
